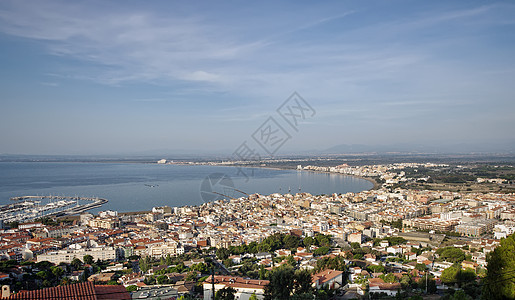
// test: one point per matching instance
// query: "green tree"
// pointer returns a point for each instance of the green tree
(222, 253)
(451, 254)
(201, 267)
(145, 264)
(450, 275)
(389, 278)
(281, 284)
(323, 240)
(88, 259)
(355, 245)
(420, 267)
(322, 251)
(499, 283)
(460, 295)
(228, 263)
(308, 241)
(405, 281)
(57, 272)
(467, 275)
(131, 288)
(76, 263)
(162, 279)
(291, 260)
(227, 293)
(376, 268)
(253, 297)
(303, 282)
(291, 241)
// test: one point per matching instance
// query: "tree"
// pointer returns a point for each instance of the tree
(222, 253)
(308, 241)
(145, 264)
(389, 278)
(291, 260)
(451, 254)
(460, 295)
(291, 241)
(76, 263)
(281, 284)
(467, 275)
(201, 267)
(355, 245)
(227, 293)
(499, 283)
(253, 297)
(131, 288)
(450, 275)
(303, 282)
(162, 279)
(57, 272)
(88, 259)
(405, 281)
(420, 267)
(322, 251)
(228, 263)
(376, 268)
(323, 240)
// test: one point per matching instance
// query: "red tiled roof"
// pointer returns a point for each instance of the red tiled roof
(78, 291)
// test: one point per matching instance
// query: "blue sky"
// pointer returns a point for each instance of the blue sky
(90, 77)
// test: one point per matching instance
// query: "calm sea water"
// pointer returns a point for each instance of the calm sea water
(138, 186)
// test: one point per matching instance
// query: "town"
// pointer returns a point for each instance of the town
(382, 243)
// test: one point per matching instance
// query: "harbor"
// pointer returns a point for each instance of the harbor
(28, 208)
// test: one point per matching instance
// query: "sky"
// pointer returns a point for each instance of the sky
(107, 77)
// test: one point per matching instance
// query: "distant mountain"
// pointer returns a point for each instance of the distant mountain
(497, 147)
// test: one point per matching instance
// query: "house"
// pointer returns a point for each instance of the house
(331, 278)
(355, 238)
(370, 257)
(282, 252)
(410, 255)
(78, 291)
(236, 259)
(469, 264)
(76, 275)
(263, 255)
(394, 250)
(245, 288)
(102, 277)
(377, 285)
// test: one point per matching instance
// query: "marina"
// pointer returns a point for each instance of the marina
(28, 208)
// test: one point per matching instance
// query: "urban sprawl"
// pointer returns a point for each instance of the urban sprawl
(376, 243)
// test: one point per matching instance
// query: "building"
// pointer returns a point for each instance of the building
(245, 288)
(331, 278)
(377, 285)
(354, 238)
(66, 256)
(78, 291)
(106, 223)
(476, 228)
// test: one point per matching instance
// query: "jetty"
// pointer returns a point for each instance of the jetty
(29, 208)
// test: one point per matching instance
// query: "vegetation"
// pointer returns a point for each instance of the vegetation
(285, 283)
(451, 254)
(499, 282)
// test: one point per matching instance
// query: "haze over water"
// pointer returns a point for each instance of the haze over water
(138, 186)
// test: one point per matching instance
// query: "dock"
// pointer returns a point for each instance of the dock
(29, 208)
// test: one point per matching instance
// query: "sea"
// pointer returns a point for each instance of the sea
(141, 186)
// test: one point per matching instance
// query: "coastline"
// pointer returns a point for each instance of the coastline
(375, 186)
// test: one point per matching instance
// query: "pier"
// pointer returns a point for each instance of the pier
(28, 208)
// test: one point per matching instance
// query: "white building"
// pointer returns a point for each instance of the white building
(245, 288)
(66, 256)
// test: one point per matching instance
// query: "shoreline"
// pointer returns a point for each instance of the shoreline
(375, 186)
